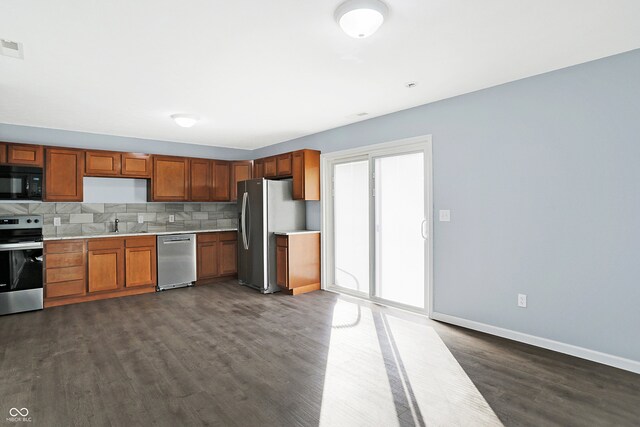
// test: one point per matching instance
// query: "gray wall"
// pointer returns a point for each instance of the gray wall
(542, 177)
(65, 138)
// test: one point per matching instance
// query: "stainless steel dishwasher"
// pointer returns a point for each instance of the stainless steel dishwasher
(176, 261)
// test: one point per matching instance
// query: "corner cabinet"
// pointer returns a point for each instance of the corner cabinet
(170, 181)
(64, 169)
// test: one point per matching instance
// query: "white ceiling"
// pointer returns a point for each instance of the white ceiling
(260, 72)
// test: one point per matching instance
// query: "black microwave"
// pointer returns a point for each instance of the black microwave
(20, 183)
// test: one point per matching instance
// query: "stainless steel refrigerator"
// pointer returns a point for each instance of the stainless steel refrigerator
(264, 206)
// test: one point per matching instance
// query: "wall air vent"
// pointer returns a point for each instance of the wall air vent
(11, 49)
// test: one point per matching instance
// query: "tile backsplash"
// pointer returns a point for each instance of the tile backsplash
(78, 219)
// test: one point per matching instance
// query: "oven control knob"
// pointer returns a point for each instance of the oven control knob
(36, 221)
(28, 221)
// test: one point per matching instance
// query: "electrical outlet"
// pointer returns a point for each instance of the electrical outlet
(445, 215)
(522, 300)
(56, 221)
(140, 219)
(172, 218)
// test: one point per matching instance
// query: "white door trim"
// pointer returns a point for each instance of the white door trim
(327, 160)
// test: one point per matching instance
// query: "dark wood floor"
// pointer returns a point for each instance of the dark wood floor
(226, 355)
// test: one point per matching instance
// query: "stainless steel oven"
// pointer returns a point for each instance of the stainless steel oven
(20, 183)
(21, 266)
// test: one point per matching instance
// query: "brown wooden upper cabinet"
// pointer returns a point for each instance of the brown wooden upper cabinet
(200, 180)
(284, 164)
(306, 175)
(25, 155)
(220, 179)
(3, 153)
(140, 261)
(105, 264)
(64, 169)
(102, 163)
(136, 165)
(270, 167)
(240, 171)
(170, 181)
(258, 168)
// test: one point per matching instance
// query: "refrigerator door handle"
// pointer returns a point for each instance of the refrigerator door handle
(243, 220)
(423, 229)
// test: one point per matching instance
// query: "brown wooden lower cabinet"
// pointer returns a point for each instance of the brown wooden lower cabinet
(90, 269)
(140, 261)
(105, 264)
(217, 255)
(298, 262)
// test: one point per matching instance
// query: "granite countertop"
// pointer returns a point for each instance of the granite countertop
(291, 232)
(112, 234)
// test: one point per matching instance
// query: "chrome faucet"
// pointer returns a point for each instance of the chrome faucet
(116, 229)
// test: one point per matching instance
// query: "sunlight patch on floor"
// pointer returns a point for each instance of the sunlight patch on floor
(383, 370)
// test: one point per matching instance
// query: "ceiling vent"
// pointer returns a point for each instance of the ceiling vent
(11, 49)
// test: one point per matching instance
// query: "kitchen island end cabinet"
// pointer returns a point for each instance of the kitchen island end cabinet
(298, 262)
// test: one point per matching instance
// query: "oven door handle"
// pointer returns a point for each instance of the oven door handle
(19, 246)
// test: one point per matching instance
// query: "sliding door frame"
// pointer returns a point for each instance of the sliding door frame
(370, 152)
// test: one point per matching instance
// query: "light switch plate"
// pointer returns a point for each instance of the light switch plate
(56, 221)
(445, 215)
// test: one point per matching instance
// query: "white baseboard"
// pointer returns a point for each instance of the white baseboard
(583, 353)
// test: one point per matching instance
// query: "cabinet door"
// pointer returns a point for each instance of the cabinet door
(228, 257)
(170, 180)
(258, 169)
(208, 259)
(270, 167)
(106, 269)
(3, 153)
(140, 266)
(102, 163)
(282, 266)
(220, 181)
(27, 155)
(240, 171)
(200, 180)
(64, 169)
(284, 164)
(136, 165)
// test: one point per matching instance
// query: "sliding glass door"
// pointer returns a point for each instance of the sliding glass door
(379, 227)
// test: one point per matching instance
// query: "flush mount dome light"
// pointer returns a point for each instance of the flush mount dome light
(185, 120)
(361, 18)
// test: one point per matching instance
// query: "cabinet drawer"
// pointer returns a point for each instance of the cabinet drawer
(207, 237)
(140, 242)
(98, 244)
(282, 241)
(64, 246)
(65, 289)
(69, 259)
(65, 274)
(227, 236)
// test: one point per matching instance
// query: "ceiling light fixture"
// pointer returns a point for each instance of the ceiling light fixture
(361, 18)
(185, 120)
